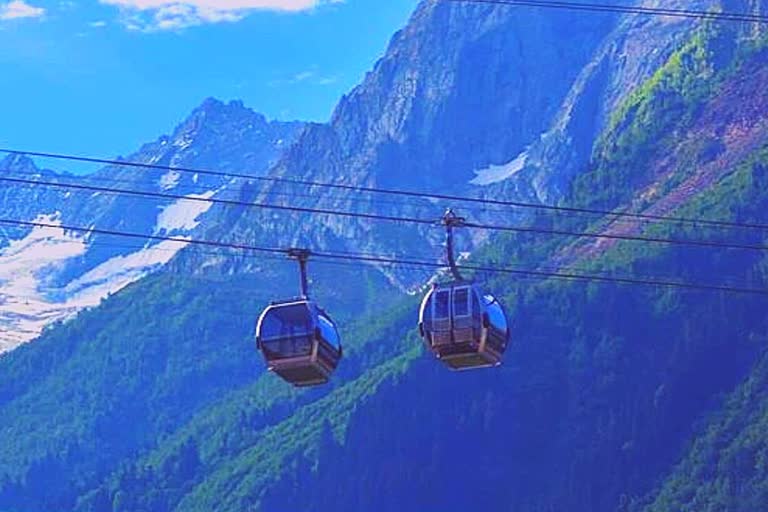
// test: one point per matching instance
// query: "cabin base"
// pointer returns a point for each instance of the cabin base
(467, 356)
(469, 362)
(302, 373)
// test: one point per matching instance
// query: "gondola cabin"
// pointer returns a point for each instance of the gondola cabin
(464, 327)
(299, 341)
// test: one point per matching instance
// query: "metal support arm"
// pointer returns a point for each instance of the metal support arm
(302, 256)
(450, 221)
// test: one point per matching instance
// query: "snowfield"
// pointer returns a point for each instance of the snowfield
(496, 173)
(29, 303)
(24, 265)
(183, 215)
(170, 180)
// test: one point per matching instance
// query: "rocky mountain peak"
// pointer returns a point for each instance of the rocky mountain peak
(18, 163)
(222, 136)
(214, 112)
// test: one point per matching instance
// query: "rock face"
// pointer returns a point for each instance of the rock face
(462, 88)
(48, 274)
(477, 100)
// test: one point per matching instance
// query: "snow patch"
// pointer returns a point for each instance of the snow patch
(183, 143)
(170, 180)
(41, 251)
(24, 265)
(183, 214)
(115, 274)
(27, 302)
(497, 173)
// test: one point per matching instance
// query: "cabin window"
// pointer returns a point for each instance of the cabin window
(495, 313)
(442, 304)
(328, 331)
(461, 302)
(286, 322)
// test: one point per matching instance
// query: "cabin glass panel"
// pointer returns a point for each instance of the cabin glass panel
(442, 304)
(496, 314)
(287, 331)
(461, 302)
(329, 332)
(475, 303)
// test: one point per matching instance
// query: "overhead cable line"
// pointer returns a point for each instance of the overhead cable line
(395, 192)
(226, 252)
(201, 189)
(211, 200)
(398, 261)
(619, 237)
(625, 9)
(389, 218)
(223, 252)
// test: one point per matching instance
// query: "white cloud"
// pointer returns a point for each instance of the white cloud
(19, 9)
(177, 14)
(309, 76)
(303, 76)
(327, 80)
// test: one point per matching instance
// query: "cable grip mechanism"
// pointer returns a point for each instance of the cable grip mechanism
(302, 256)
(451, 221)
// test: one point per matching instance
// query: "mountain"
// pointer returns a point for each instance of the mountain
(458, 90)
(49, 274)
(612, 397)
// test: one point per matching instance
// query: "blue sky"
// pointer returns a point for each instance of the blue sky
(100, 77)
